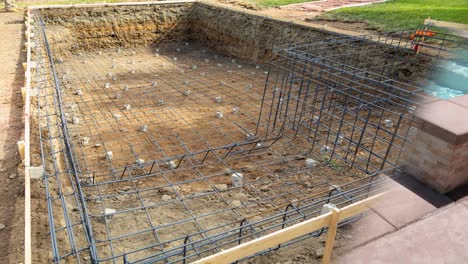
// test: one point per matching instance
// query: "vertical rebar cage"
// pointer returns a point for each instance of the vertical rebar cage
(353, 98)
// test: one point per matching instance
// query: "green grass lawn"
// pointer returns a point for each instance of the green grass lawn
(403, 14)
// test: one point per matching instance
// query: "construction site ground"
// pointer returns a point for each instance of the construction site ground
(407, 225)
(11, 128)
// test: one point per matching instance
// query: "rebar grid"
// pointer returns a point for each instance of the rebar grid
(166, 194)
(177, 125)
(165, 213)
(406, 56)
(345, 95)
(69, 233)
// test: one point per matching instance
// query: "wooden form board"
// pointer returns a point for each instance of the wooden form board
(25, 146)
(330, 220)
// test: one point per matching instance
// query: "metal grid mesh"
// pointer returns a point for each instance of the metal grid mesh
(166, 193)
(353, 98)
(163, 112)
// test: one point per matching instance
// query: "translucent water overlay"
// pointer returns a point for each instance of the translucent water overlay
(451, 80)
(443, 92)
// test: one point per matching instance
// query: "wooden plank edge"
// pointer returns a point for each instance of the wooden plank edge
(281, 236)
(27, 157)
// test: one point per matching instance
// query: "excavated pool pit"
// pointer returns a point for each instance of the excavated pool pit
(149, 129)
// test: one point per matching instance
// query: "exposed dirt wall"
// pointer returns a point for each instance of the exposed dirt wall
(125, 26)
(246, 35)
(228, 31)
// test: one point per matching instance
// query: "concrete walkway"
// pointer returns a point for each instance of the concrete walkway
(404, 228)
(325, 5)
(11, 129)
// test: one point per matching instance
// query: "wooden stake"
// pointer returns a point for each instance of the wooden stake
(330, 219)
(331, 234)
(21, 149)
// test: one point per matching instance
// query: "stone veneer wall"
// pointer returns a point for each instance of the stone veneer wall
(437, 149)
(436, 162)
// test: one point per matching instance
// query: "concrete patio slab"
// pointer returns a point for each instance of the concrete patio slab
(464, 201)
(460, 100)
(368, 228)
(441, 237)
(400, 206)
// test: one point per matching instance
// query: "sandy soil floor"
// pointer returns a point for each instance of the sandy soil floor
(141, 78)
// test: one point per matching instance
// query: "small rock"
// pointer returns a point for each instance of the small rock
(250, 136)
(319, 253)
(310, 162)
(265, 188)
(12, 176)
(85, 140)
(172, 164)
(279, 170)
(3, 170)
(323, 238)
(240, 196)
(221, 186)
(218, 99)
(125, 189)
(237, 179)
(36, 172)
(236, 203)
(249, 168)
(75, 120)
(346, 236)
(144, 128)
(169, 189)
(107, 215)
(109, 155)
(166, 198)
(219, 114)
(2, 226)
